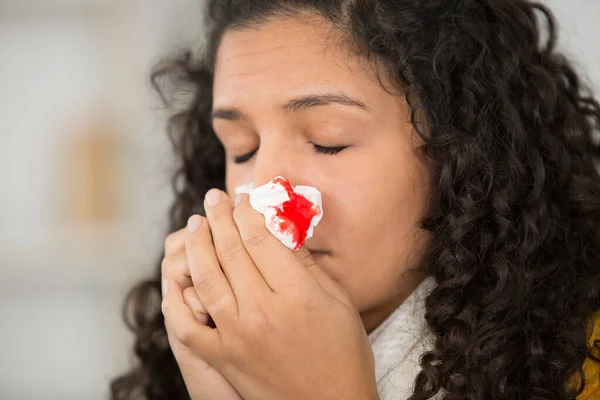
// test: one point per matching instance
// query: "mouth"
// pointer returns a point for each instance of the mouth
(318, 254)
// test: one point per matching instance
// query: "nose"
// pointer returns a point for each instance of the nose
(277, 158)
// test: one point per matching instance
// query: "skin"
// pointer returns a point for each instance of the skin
(362, 253)
(369, 237)
(262, 296)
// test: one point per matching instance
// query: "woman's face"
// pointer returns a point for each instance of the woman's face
(284, 90)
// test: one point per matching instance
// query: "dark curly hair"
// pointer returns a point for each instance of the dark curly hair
(511, 134)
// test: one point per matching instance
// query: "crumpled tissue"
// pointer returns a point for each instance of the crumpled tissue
(291, 213)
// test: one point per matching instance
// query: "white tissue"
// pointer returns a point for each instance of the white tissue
(268, 199)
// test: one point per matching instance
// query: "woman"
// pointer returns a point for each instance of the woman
(455, 151)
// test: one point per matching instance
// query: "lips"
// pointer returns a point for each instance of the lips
(318, 251)
(318, 256)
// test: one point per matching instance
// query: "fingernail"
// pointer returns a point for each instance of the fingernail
(237, 199)
(194, 223)
(166, 284)
(213, 197)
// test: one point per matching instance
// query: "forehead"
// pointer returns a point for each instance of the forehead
(285, 57)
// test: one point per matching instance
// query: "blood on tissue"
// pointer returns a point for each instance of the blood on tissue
(295, 214)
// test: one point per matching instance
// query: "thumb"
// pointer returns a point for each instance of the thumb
(304, 256)
(330, 285)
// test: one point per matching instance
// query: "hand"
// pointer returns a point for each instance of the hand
(201, 379)
(284, 328)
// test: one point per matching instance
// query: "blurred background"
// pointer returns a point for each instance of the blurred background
(85, 167)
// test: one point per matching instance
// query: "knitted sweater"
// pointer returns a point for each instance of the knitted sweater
(403, 336)
(398, 342)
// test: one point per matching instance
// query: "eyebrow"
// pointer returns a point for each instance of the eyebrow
(297, 104)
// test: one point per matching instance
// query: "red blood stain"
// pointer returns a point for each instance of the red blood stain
(295, 214)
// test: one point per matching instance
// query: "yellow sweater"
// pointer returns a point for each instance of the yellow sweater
(591, 368)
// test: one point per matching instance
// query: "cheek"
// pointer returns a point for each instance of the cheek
(375, 252)
(234, 177)
(230, 182)
(375, 224)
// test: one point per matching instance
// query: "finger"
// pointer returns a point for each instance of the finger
(191, 299)
(183, 328)
(175, 267)
(175, 242)
(329, 285)
(303, 255)
(213, 288)
(279, 266)
(244, 277)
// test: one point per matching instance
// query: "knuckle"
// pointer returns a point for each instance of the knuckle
(190, 297)
(220, 213)
(205, 282)
(184, 335)
(255, 239)
(229, 250)
(297, 293)
(307, 308)
(259, 323)
(171, 242)
(304, 302)
(165, 264)
(307, 260)
(234, 356)
(222, 303)
(164, 308)
(189, 292)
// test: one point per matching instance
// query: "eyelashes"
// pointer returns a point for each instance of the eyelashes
(328, 150)
(244, 158)
(318, 149)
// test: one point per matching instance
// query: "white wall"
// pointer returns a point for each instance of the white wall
(579, 33)
(62, 284)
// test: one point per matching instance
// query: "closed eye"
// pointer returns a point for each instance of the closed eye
(328, 150)
(319, 149)
(244, 158)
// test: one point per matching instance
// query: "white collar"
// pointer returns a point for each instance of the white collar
(398, 342)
